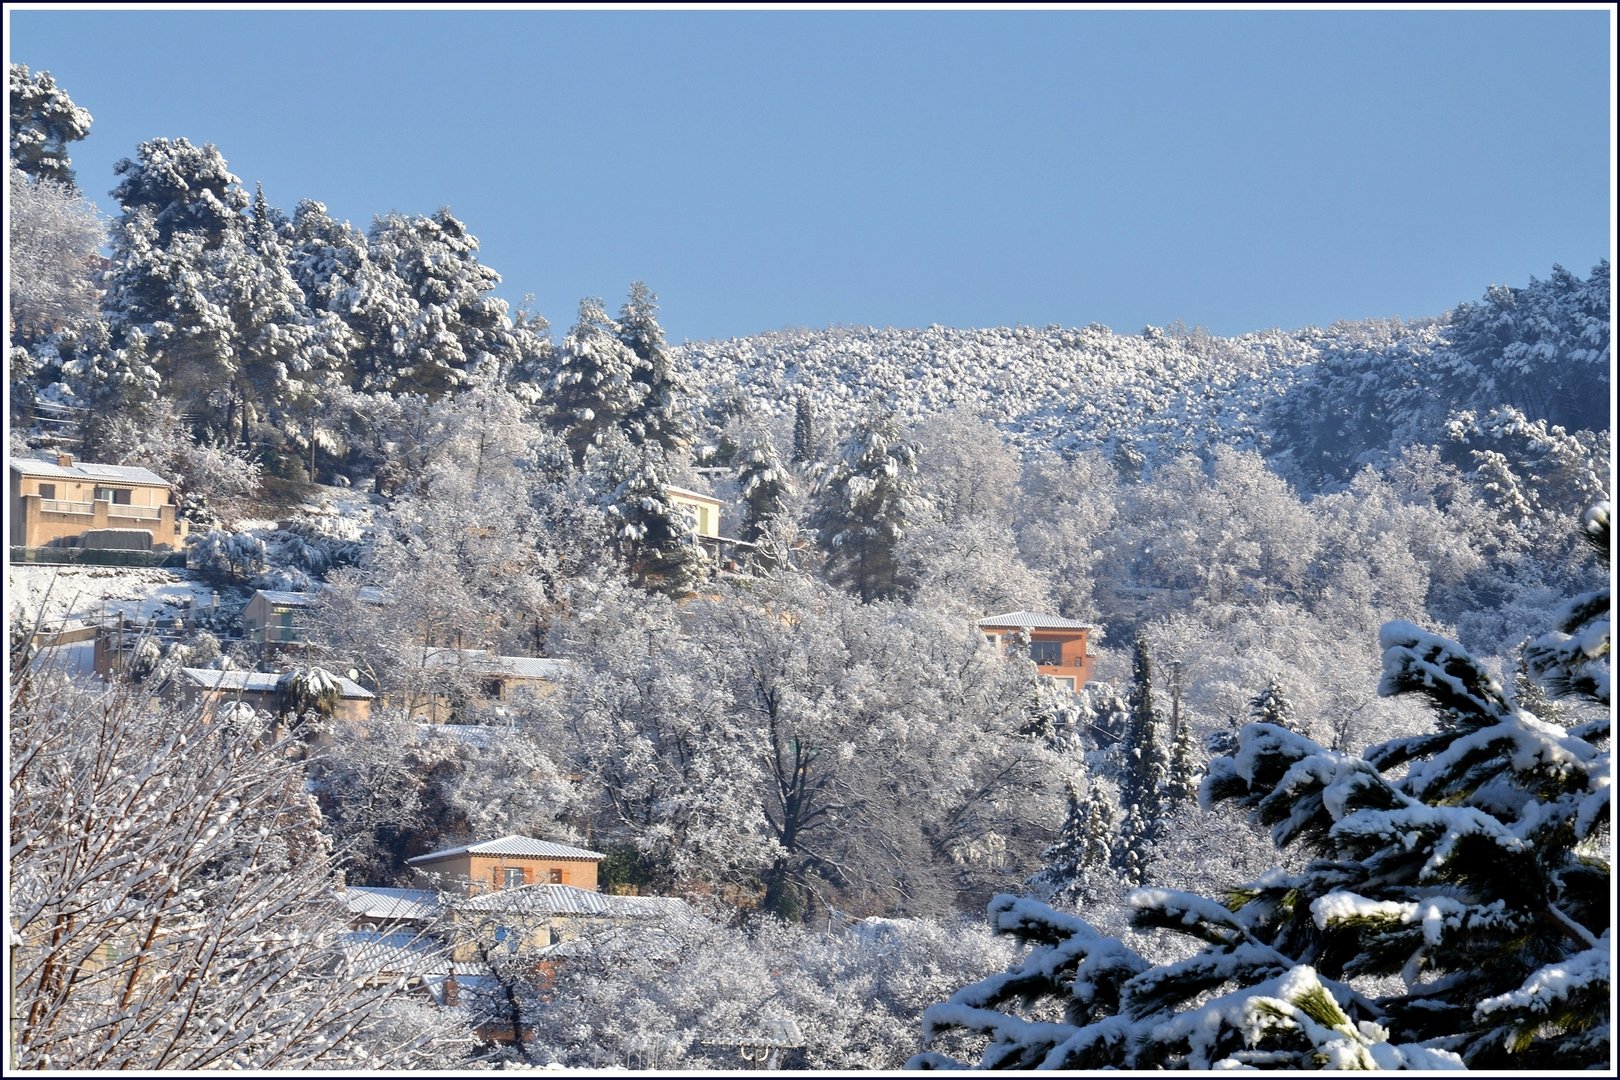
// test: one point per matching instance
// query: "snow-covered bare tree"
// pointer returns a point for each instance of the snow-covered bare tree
(172, 897)
(55, 236)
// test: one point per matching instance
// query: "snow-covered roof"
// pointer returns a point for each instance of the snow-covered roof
(484, 662)
(261, 682)
(569, 900)
(670, 489)
(398, 952)
(89, 470)
(476, 735)
(1032, 620)
(286, 598)
(377, 902)
(512, 845)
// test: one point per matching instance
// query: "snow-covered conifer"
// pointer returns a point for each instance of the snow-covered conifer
(865, 502)
(657, 413)
(43, 121)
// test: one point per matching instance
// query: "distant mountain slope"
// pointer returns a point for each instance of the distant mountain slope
(1319, 401)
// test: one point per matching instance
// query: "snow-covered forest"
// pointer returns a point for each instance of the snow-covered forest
(1336, 796)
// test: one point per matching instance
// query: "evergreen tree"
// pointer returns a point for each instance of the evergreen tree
(865, 502)
(43, 121)
(656, 414)
(270, 335)
(595, 385)
(1271, 706)
(1077, 864)
(439, 319)
(188, 189)
(806, 438)
(655, 536)
(1185, 771)
(1574, 659)
(1144, 773)
(762, 479)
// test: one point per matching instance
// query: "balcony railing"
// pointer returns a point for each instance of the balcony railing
(140, 513)
(63, 506)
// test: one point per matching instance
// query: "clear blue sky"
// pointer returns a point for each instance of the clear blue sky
(760, 170)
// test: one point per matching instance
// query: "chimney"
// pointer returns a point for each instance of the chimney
(452, 989)
(65, 460)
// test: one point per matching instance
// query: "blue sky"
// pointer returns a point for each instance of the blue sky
(768, 169)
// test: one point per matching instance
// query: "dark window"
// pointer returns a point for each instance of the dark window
(47, 491)
(556, 877)
(1046, 652)
(117, 496)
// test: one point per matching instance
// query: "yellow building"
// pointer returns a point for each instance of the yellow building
(92, 505)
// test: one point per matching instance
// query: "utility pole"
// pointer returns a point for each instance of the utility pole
(1175, 701)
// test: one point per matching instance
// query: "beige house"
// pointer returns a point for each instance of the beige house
(451, 681)
(264, 690)
(510, 862)
(275, 616)
(91, 505)
(1058, 646)
(704, 511)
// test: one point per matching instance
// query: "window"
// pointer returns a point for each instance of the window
(1046, 652)
(47, 491)
(511, 877)
(556, 877)
(117, 496)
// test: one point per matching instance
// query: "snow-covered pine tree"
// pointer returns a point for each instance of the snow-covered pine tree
(865, 503)
(1077, 864)
(431, 264)
(43, 121)
(1184, 772)
(594, 387)
(655, 536)
(270, 335)
(1271, 706)
(1574, 659)
(806, 436)
(1143, 775)
(762, 478)
(657, 414)
(1455, 912)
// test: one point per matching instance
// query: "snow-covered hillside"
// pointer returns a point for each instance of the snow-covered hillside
(1318, 402)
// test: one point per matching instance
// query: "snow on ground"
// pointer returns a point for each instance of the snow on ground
(71, 595)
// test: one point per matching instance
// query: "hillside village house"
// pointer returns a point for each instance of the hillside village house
(510, 862)
(1058, 646)
(455, 678)
(264, 690)
(68, 504)
(703, 509)
(477, 904)
(275, 616)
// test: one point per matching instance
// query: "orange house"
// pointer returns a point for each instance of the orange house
(1058, 646)
(509, 863)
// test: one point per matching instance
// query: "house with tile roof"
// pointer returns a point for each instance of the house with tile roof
(509, 862)
(85, 504)
(265, 690)
(1059, 647)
